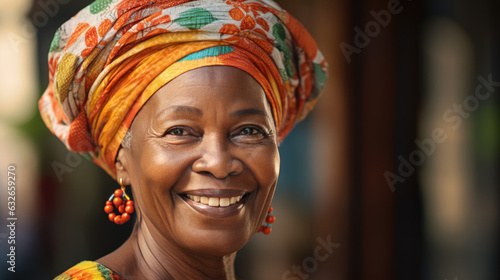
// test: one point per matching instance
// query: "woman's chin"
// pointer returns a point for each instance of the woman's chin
(216, 242)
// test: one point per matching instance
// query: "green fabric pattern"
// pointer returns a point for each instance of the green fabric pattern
(213, 51)
(280, 36)
(99, 6)
(55, 42)
(106, 273)
(195, 18)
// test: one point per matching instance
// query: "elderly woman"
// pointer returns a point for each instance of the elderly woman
(184, 103)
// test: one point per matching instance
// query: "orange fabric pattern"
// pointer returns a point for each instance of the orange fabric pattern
(109, 59)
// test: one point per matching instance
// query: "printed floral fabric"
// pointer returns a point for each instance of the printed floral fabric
(88, 270)
(107, 61)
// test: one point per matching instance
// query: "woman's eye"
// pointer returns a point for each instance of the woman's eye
(251, 131)
(181, 135)
(177, 131)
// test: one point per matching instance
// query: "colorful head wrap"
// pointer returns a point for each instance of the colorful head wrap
(110, 58)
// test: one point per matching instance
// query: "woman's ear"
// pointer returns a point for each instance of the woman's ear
(122, 165)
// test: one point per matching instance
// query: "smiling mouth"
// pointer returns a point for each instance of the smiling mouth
(217, 203)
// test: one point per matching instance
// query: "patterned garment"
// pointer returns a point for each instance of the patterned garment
(108, 60)
(88, 270)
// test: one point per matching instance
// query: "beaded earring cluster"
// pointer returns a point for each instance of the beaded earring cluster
(122, 202)
(266, 229)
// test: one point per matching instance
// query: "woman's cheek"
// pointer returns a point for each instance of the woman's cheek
(157, 159)
(268, 164)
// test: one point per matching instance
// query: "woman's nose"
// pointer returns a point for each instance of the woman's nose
(217, 157)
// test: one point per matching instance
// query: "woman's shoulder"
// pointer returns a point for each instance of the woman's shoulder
(89, 270)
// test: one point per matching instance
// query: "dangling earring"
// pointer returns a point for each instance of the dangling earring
(266, 229)
(122, 202)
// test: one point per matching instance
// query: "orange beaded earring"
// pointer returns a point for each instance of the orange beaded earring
(122, 202)
(269, 220)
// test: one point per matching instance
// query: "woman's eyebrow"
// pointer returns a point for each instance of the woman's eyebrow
(247, 112)
(179, 109)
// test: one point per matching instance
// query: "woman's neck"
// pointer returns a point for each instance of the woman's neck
(147, 255)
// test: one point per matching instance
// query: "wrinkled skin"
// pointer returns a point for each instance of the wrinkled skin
(209, 131)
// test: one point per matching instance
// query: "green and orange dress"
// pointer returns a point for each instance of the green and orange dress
(87, 270)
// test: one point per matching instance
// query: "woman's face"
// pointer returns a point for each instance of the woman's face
(205, 140)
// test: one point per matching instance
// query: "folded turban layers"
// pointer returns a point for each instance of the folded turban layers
(110, 58)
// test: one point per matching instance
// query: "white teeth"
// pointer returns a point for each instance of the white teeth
(204, 200)
(215, 201)
(224, 201)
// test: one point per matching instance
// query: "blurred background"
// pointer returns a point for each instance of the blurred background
(393, 176)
